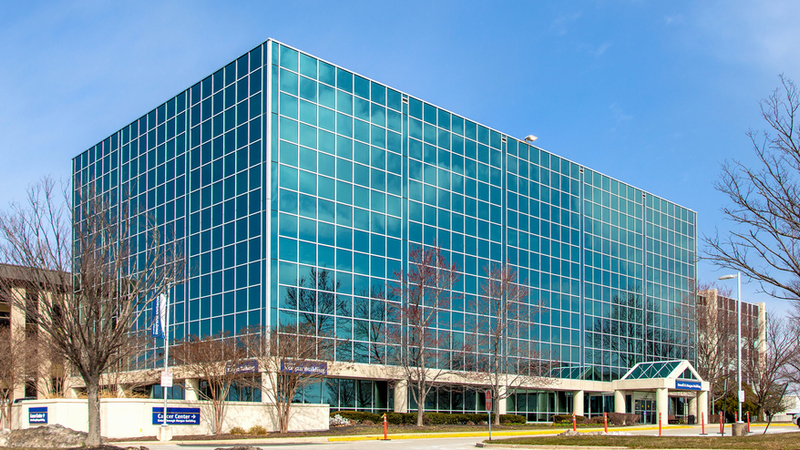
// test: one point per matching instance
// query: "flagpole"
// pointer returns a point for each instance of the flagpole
(166, 351)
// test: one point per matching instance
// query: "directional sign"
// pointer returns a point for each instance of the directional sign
(177, 416)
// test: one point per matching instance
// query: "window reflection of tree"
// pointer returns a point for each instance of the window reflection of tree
(619, 337)
(374, 309)
(631, 333)
(347, 393)
(316, 300)
(364, 394)
(245, 391)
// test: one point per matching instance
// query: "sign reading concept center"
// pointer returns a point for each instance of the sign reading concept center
(304, 367)
(177, 416)
(688, 385)
(37, 415)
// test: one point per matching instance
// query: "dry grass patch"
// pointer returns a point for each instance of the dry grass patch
(779, 441)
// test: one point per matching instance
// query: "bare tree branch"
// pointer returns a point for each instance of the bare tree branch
(766, 373)
(424, 354)
(87, 282)
(217, 362)
(292, 357)
(508, 365)
(765, 210)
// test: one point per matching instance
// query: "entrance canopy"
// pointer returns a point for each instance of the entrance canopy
(664, 377)
(672, 375)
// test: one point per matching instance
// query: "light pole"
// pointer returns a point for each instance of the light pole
(738, 276)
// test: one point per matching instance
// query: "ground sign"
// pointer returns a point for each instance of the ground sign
(37, 415)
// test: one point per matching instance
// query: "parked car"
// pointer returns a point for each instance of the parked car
(796, 418)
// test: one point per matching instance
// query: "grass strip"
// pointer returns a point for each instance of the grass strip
(778, 441)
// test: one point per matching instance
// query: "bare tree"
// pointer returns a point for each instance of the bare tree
(791, 371)
(292, 357)
(18, 365)
(765, 373)
(715, 336)
(86, 288)
(765, 212)
(508, 366)
(125, 376)
(218, 361)
(425, 291)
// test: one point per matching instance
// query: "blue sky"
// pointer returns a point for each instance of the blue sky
(656, 94)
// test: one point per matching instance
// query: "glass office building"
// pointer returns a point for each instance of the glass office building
(297, 188)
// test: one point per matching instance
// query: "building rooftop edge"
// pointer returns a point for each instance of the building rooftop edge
(415, 97)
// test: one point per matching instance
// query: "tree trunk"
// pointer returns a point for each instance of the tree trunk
(421, 395)
(283, 418)
(219, 416)
(93, 397)
(6, 414)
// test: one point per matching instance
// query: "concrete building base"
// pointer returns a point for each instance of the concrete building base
(739, 429)
(164, 434)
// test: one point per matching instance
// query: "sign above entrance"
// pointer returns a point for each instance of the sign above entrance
(688, 385)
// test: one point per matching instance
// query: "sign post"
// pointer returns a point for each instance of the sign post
(164, 304)
(489, 408)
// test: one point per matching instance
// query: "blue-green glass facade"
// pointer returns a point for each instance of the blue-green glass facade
(297, 187)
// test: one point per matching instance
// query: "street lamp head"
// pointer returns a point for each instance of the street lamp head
(531, 138)
(728, 277)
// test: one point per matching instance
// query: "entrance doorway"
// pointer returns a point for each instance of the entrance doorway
(646, 409)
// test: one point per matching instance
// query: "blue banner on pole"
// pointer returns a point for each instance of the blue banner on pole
(176, 416)
(159, 316)
(37, 415)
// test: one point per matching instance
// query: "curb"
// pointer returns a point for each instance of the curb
(399, 436)
(554, 447)
(575, 447)
(535, 432)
